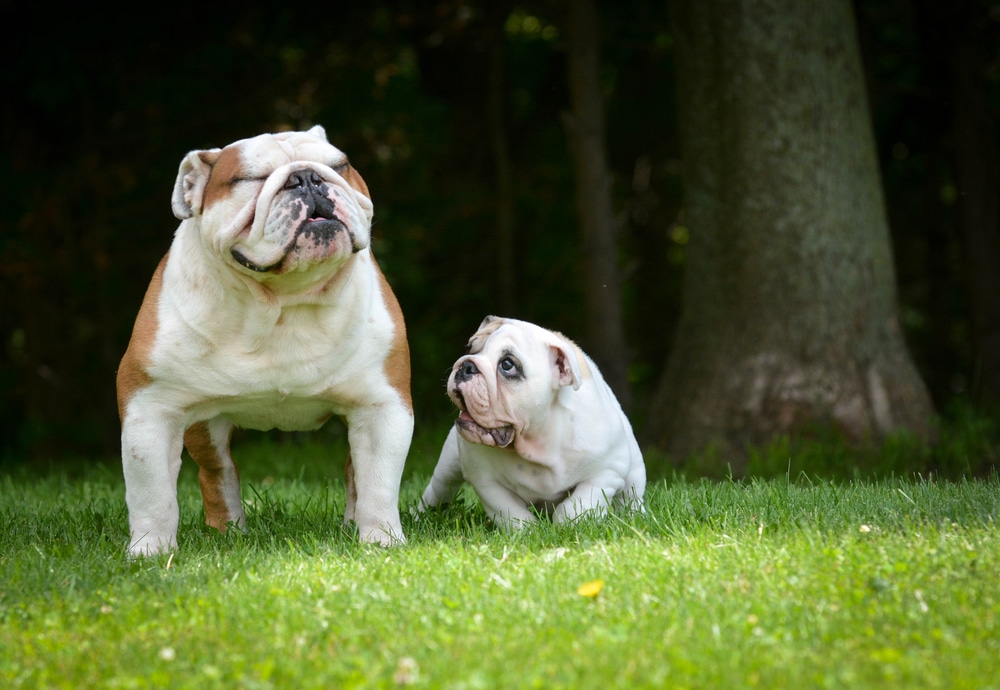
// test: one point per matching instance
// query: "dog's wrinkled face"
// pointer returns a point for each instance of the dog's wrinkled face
(276, 203)
(508, 380)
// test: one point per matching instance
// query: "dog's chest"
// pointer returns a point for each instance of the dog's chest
(275, 410)
(532, 481)
(293, 393)
(294, 375)
(288, 353)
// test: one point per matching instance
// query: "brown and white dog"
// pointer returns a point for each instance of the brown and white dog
(269, 311)
(538, 429)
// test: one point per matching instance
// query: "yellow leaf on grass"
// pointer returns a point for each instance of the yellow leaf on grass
(590, 589)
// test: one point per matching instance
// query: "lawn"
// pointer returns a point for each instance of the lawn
(783, 583)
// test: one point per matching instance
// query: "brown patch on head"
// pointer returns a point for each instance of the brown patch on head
(354, 179)
(487, 328)
(133, 370)
(225, 168)
(211, 473)
(397, 363)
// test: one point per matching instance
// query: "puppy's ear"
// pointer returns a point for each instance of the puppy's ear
(482, 334)
(565, 366)
(191, 180)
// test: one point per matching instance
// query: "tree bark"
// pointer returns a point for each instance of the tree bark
(789, 315)
(975, 141)
(605, 337)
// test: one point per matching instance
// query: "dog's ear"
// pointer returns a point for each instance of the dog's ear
(565, 365)
(189, 189)
(318, 132)
(482, 334)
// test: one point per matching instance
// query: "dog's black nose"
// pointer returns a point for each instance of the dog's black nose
(303, 178)
(466, 371)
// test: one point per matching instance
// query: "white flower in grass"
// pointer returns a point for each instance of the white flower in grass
(553, 555)
(407, 671)
(865, 529)
(168, 654)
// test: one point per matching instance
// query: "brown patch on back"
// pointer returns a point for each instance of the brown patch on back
(198, 441)
(132, 371)
(397, 363)
(226, 167)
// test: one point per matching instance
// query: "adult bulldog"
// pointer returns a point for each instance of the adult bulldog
(538, 429)
(269, 311)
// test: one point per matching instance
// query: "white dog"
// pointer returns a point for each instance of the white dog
(538, 428)
(269, 311)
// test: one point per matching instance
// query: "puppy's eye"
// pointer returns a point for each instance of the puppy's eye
(508, 367)
(341, 167)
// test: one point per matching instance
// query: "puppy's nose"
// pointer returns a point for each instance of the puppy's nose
(466, 371)
(302, 179)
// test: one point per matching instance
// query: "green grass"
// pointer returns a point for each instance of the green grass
(767, 583)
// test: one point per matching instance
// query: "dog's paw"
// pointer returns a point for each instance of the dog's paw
(151, 546)
(381, 536)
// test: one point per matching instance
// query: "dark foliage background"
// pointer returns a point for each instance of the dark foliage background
(102, 102)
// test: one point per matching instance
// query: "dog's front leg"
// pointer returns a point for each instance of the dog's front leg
(447, 477)
(151, 459)
(506, 510)
(592, 496)
(379, 437)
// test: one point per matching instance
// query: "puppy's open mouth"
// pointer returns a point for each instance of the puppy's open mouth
(501, 436)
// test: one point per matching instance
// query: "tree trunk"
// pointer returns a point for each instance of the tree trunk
(789, 316)
(976, 173)
(605, 337)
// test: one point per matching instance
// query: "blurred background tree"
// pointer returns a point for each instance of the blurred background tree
(456, 113)
(790, 316)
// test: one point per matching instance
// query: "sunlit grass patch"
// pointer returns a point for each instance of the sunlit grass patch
(770, 583)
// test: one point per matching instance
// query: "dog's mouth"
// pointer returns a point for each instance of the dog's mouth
(322, 210)
(320, 228)
(306, 217)
(501, 436)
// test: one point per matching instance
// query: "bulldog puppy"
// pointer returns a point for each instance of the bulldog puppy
(538, 430)
(269, 311)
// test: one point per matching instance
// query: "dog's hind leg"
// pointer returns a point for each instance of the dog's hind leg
(208, 444)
